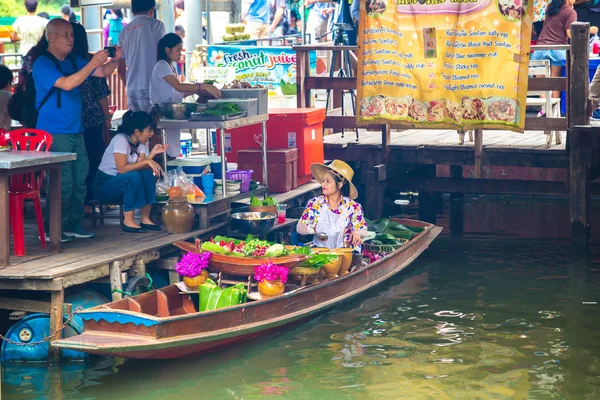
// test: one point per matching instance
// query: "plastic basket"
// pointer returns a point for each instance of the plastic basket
(244, 175)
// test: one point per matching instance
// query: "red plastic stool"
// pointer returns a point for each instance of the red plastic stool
(27, 186)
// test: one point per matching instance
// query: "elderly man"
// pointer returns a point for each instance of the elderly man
(57, 75)
(139, 41)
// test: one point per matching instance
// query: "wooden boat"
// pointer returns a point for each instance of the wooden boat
(165, 323)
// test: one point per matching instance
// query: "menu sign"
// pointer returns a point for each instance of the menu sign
(459, 64)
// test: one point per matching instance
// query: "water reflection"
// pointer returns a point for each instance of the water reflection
(478, 317)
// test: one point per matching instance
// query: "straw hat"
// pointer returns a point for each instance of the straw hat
(339, 168)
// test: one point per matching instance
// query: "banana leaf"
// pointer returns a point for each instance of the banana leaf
(213, 248)
(213, 297)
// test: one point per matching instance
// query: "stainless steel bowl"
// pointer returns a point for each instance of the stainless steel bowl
(242, 222)
(178, 111)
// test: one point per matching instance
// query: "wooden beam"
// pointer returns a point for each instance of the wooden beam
(579, 88)
(478, 153)
(337, 83)
(330, 47)
(57, 298)
(543, 84)
(8, 303)
(584, 137)
(545, 124)
(481, 186)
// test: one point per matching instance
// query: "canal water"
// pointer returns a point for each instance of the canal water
(505, 310)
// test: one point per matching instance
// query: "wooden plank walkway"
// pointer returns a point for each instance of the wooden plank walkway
(445, 139)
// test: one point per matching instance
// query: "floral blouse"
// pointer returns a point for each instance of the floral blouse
(356, 219)
(539, 10)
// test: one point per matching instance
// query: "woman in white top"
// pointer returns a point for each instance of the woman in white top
(165, 88)
(128, 172)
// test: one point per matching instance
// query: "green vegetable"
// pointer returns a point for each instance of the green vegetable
(223, 109)
(269, 202)
(275, 250)
(255, 202)
(318, 260)
(213, 248)
(303, 250)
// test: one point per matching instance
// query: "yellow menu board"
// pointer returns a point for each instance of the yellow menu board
(459, 64)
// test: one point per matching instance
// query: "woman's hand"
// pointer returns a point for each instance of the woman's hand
(355, 238)
(156, 169)
(158, 149)
(210, 89)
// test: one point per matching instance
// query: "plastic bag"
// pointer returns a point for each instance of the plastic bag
(162, 185)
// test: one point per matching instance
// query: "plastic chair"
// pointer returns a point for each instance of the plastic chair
(27, 186)
(4, 137)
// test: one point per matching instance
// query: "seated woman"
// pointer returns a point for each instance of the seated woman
(335, 213)
(128, 172)
(166, 88)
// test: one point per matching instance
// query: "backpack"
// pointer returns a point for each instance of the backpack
(21, 105)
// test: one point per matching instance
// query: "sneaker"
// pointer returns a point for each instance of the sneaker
(80, 234)
(63, 238)
(596, 114)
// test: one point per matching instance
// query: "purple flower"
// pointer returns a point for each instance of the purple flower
(270, 272)
(191, 264)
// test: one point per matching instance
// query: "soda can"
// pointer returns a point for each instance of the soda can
(183, 148)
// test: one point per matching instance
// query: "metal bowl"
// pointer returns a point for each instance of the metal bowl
(242, 222)
(177, 111)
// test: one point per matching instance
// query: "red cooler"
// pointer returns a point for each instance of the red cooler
(282, 167)
(300, 128)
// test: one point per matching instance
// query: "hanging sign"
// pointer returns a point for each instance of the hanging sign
(459, 64)
(272, 67)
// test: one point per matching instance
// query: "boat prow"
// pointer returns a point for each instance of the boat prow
(165, 323)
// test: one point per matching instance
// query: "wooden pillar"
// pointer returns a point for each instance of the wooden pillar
(302, 72)
(375, 194)
(57, 299)
(115, 280)
(457, 204)
(579, 156)
(427, 204)
(336, 65)
(478, 147)
(386, 140)
(138, 268)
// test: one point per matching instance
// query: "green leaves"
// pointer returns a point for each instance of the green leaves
(318, 260)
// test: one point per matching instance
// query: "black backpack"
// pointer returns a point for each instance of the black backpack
(21, 105)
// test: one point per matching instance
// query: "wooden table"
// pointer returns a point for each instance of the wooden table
(19, 162)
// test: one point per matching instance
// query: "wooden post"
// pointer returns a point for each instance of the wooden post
(457, 203)
(374, 195)
(115, 280)
(57, 299)
(55, 216)
(300, 78)
(478, 147)
(579, 157)
(386, 140)
(138, 268)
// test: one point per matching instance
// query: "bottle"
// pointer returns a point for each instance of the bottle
(596, 45)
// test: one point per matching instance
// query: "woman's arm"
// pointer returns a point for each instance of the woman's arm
(182, 87)
(123, 166)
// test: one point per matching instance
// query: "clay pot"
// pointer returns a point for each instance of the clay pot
(332, 268)
(178, 215)
(270, 288)
(195, 282)
(346, 255)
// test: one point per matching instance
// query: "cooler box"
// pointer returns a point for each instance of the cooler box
(282, 167)
(300, 128)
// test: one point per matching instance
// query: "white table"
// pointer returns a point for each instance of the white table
(221, 126)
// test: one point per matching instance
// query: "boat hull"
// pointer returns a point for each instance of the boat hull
(136, 335)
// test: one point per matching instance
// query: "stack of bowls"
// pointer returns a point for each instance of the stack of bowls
(233, 187)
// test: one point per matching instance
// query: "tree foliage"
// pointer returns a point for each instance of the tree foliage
(15, 8)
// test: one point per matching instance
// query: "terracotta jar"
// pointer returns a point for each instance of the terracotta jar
(270, 288)
(178, 215)
(346, 255)
(195, 282)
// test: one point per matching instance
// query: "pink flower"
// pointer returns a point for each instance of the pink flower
(270, 272)
(191, 264)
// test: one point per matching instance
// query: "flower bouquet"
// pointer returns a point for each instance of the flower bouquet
(271, 279)
(193, 268)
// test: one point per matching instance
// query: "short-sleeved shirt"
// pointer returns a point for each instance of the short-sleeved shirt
(556, 26)
(30, 28)
(353, 209)
(258, 12)
(92, 90)
(139, 41)
(67, 118)
(273, 6)
(160, 90)
(120, 144)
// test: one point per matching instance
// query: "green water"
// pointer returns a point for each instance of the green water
(504, 311)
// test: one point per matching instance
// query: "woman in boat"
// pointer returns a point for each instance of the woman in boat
(166, 88)
(335, 213)
(128, 172)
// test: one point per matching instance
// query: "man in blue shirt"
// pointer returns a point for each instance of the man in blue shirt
(255, 14)
(57, 76)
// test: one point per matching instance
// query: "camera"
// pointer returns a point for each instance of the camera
(112, 51)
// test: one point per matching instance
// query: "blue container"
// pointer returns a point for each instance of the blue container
(208, 183)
